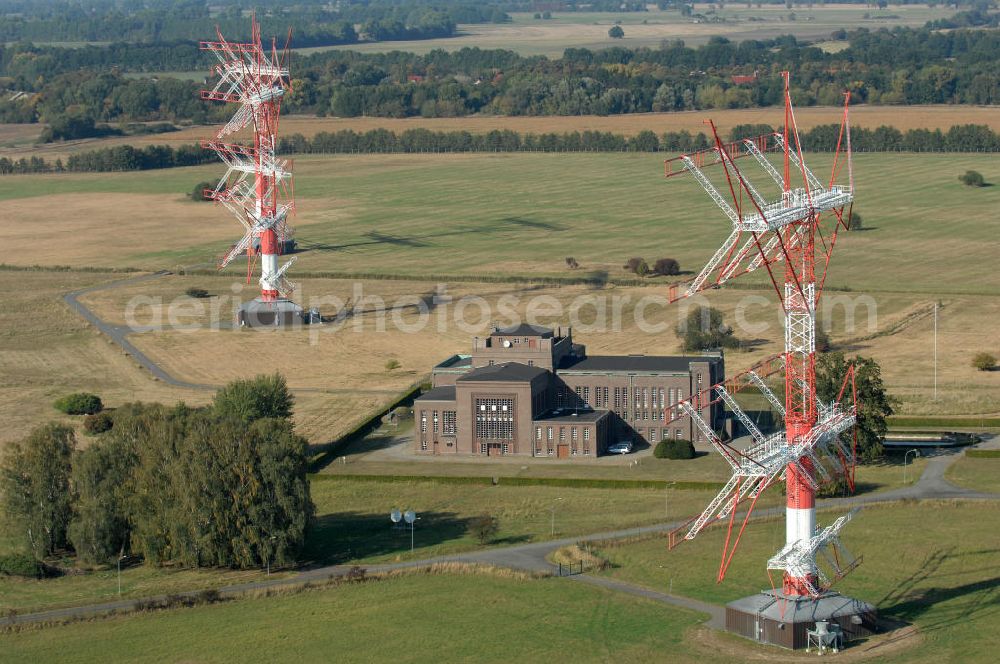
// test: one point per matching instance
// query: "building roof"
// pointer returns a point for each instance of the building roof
(781, 608)
(443, 393)
(571, 416)
(513, 372)
(643, 363)
(522, 330)
(455, 362)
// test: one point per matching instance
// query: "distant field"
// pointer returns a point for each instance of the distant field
(929, 563)
(454, 617)
(530, 36)
(18, 141)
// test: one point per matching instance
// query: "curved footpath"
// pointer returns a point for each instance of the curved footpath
(532, 557)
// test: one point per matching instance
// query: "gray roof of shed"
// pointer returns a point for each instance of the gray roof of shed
(506, 372)
(614, 363)
(442, 393)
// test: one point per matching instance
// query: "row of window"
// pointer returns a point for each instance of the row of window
(448, 422)
(494, 418)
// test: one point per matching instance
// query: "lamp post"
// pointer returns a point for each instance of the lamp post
(411, 518)
(269, 553)
(120, 559)
(915, 453)
(553, 510)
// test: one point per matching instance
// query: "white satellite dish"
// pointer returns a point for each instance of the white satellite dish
(410, 516)
(506, 343)
(395, 516)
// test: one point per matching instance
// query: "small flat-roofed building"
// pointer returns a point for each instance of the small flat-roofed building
(531, 391)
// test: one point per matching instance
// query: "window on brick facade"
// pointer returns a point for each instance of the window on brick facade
(449, 422)
(423, 445)
(435, 421)
(494, 418)
(423, 421)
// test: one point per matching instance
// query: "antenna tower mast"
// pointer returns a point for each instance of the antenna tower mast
(809, 451)
(256, 187)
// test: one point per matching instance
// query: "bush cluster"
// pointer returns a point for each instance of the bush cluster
(21, 564)
(677, 448)
(98, 423)
(79, 403)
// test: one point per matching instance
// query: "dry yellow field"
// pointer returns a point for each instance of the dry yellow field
(48, 351)
(17, 141)
(89, 235)
(339, 357)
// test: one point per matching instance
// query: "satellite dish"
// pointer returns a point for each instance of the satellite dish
(410, 516)
(506, 343)
(395, 516)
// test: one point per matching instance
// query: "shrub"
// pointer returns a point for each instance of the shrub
(392, 364)
(984, 362)
(854, 223)
(79, 403)
(636, 265)
(616, 32)
(196, 292)
(198, 193)
(21, 564)
(484, 528)
(674, 449)
(571, 263)
(666, 266)
(97, 423)
(972, 179)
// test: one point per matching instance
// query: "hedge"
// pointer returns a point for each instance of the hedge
(562, 482)
(912, 421)
(983, 454)
(21, 564)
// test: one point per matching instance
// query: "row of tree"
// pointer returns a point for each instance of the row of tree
(223, 485)
(902, 66)
(823, 138)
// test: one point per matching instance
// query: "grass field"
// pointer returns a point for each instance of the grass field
(973, 473)
(413, 618)
(416, 214)
(352, 524)
(530, 36)
(18, 140)
(402, 213)
(927, 562)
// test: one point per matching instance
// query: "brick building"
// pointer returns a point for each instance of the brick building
(531, 391)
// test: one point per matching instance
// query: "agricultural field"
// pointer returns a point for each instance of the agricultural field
(19, 140)
(530, 36)
(396, 215)
(402, 619)
(940, 577)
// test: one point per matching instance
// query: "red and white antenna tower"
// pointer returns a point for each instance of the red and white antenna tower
(809, 452)
(257, 185)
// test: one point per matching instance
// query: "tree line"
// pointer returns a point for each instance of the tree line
(899, 66)
(823, 138)
(223, 485)
(313, 23)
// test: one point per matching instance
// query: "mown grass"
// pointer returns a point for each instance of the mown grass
(412, 618)
(353, 526)
(932, 563)
(980, 474)
(522, 214)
